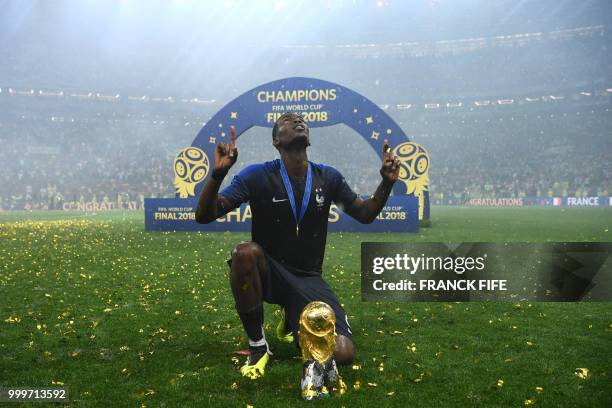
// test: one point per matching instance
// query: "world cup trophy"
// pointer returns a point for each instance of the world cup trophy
(317, 337)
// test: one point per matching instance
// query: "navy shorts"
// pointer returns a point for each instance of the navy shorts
(293, 291)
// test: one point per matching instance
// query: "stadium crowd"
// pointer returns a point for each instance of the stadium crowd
(77, 146)
(516, 154)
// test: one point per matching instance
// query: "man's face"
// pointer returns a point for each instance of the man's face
(293, 132)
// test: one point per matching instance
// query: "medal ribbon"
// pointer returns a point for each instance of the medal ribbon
(289, 190)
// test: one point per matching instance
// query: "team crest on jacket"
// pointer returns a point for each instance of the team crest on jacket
(319, 197)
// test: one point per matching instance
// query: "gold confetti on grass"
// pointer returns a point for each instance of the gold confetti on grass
(157, 301)
(539, 390)
(500, 383)
(419, 378)
(582, 373)
(528, 402)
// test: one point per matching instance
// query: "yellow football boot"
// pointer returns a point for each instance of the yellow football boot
(281, 334)
(256, 370)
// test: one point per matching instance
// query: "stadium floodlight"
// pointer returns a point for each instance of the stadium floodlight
(49, 93)
(103, 97)
(80, 96)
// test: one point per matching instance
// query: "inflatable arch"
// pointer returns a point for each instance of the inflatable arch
(321, 103)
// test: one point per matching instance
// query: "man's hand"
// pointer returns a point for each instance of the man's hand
(390, 166)
(226, 155)
(211, 205)
(365, 211)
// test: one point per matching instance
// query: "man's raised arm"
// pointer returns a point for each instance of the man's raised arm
(211, 205)
(366, 211)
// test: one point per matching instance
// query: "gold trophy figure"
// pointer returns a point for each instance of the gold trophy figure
(317, 337)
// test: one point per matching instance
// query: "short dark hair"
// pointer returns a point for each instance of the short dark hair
(275, 128)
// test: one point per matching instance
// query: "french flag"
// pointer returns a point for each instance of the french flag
(557, 201)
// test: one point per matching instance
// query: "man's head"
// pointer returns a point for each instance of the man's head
(290, 132)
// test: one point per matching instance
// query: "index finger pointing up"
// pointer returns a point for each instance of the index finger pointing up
(386, 150)
(232, 137)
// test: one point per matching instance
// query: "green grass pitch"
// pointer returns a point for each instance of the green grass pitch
(125, 317)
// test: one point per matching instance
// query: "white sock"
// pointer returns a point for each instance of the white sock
(261, 342)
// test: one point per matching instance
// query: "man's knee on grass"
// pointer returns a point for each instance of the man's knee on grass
(344, 352)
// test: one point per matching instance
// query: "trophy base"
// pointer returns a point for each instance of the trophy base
(321, 380)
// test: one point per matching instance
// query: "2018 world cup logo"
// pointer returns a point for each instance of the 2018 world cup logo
(191, 166)
(414, 170)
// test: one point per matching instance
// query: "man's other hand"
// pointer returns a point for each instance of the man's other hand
(226, 155)
(390, 165)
